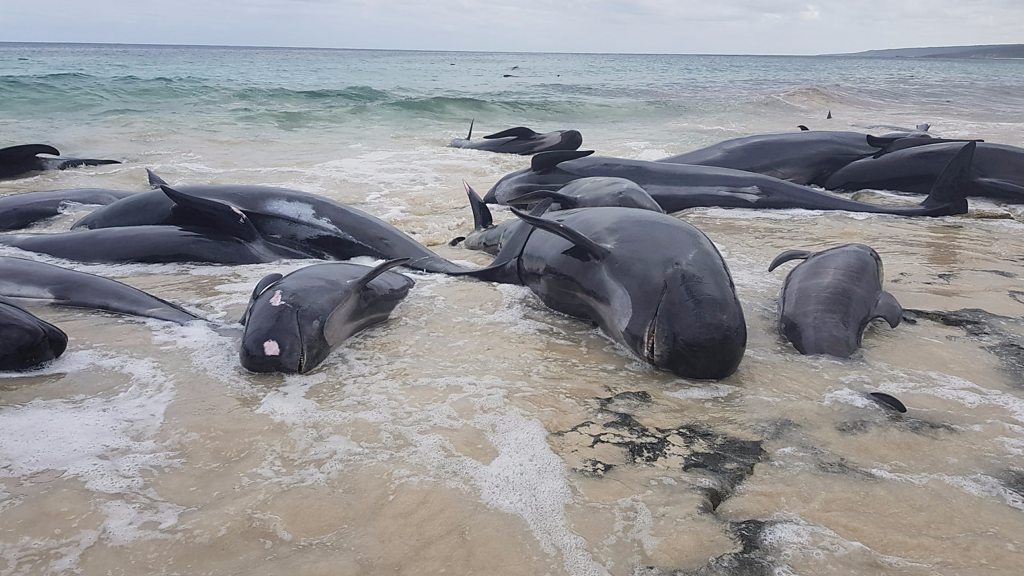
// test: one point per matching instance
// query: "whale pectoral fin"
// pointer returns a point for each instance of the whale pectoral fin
(583, 248)
(154, 180)
(787, 256)
(547, 160)
(953, 183)
(220, 216)
(888, 308)
(903, 142)
(482, 218)
(526, 198)
(378, 270)
(261, 287)
(517, 132)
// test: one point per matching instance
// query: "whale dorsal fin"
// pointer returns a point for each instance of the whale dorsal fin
(922, 127)
(25, 152)
(803, 128)
(787, 256)
(502, 269)
(154, 180)
(888, 401)
(470, 135)
(581, 244)
(378, 270)
(482, 218)
(220, 216)
(525, 198)
(261, 287)
(951, 185)
(888, 308)
(548, 160)
(517, 132)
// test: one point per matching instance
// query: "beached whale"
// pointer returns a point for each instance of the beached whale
(828, 299)
(27, 341)
(680, 186)
(296, 221)
(152, 245)
(996, 172)
(293, 322)
(18, 211)
(37, 282)
(653, 283)
(521, 140)
(808, 157)
(19, 160)
(582, 193)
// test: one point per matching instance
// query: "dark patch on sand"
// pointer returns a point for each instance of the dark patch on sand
(749, 560)
(1001, 335)
(898, 421)
(726, 460)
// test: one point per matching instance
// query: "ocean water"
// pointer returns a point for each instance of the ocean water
(477, 431)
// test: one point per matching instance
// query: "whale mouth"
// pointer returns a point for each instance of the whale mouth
(651, 338)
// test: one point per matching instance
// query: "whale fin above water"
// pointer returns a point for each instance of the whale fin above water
(517, 132)
(482, 218)
(890, 144)
(503, 268)
(378, 270)
(951, 186)
(803, 128)
(583, 247)
(469, 136)
(547, 160)
(787, 256)
(154, 180)
(220, 216)
(888, 309)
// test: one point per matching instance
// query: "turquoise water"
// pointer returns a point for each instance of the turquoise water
(237, 91)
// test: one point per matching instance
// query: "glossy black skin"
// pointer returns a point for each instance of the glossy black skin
(150, 244)
(808, 157)
(663, 290)
(27, 341)
(37, 282)
(828, 300)
(595, 192)
(296, 221)
(16, 161)
(529, 143)
(18, 211)
(681, 186)
(996, 172)
(317, 308)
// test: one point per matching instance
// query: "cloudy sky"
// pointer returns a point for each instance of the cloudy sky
(662, 26)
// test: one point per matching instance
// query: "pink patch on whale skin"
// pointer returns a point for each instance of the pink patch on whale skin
(276, 300)
(270, 348)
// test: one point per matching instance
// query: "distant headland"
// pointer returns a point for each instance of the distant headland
(991, 51)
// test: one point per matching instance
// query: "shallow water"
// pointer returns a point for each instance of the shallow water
(477, 431)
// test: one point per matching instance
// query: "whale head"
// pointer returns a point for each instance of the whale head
(27, 341)
(698, 330)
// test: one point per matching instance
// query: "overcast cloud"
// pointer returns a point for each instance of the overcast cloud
(663, 26)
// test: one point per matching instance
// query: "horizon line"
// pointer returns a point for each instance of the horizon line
(266, 47)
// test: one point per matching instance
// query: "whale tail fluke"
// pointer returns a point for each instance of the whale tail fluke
(482, 218)
(949, 192)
